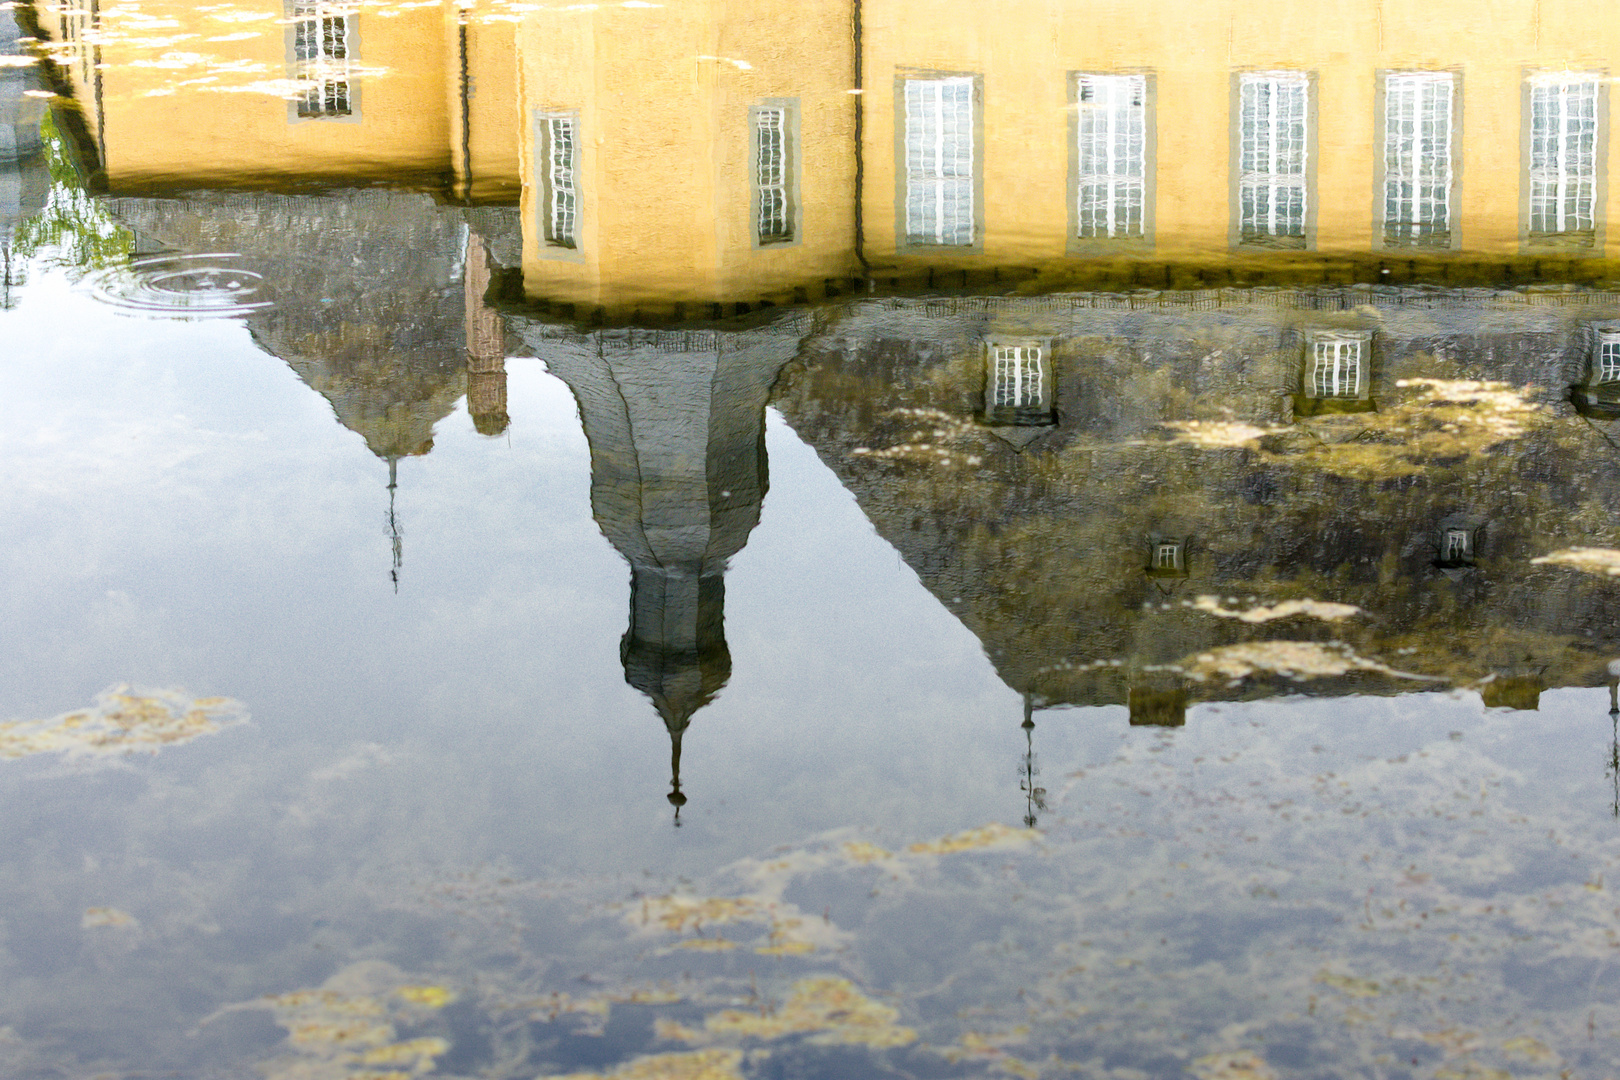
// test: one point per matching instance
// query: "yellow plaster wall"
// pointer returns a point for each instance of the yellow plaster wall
(1024, 50)
(663, 95)
(199, 94)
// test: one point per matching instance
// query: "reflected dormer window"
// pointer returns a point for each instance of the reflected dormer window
(1597, 395)
(322, 35)
(1018, 389)
(1336, 367)
(1167, 557)
(1459, 546)
(1606, 362)
(1337, 372)
(1457, 542)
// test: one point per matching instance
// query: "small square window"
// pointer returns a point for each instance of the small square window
(1606, 364)
(1167, 558)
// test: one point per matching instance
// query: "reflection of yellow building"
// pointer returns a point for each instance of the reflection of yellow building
(677, 156)
(1019, 63)
(696, 150)
(291, 90)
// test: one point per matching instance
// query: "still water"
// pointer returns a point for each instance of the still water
(854, 538)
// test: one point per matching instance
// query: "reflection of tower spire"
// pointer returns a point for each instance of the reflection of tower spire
(1034, 797)
(1613, 766)
(676, 426)
(393, 522)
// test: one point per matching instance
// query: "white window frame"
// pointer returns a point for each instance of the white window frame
(322, 45)
(1273, 147)
(1167, 555)
(1564, 132)
(773, 168)
(1336, 366)
(1458, 545)
(1418, 158)
(558, 163)
(939, 161)
(1017, 375)
(1113, 121)
(1606, 357)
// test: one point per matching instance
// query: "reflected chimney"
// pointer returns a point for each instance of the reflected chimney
(486, 345)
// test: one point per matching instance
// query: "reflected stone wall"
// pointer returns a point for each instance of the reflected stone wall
(368, 304)
(1178, 419)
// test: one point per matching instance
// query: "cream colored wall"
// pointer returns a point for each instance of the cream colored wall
(199, 95)
(1024, 49)
(494, 115)
(663, 95)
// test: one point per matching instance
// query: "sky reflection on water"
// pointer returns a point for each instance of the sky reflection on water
(1079, 621)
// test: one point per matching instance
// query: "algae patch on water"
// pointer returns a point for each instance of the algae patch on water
(349, 1027)
(122, 721)
(696, 1065)
(1602, 561)
(829, 1010)
(1315, 609)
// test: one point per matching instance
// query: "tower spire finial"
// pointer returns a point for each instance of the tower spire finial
(393, 522)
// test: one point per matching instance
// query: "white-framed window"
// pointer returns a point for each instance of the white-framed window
(773, 175)
(1273, 146)
(1337, 366)
(1419, 120)
(1016, 377)
(1459, 545)
(1111, 156)
(322, 58)
(1167, 555)
(560, 179)
(1606, 364)
(939, 161)
(1563, 153)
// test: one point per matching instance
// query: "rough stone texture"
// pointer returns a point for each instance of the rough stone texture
(1041, 552)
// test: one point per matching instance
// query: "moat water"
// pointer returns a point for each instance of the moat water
(464, 619)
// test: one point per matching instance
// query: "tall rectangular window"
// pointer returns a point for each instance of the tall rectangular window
(1419, 120)
(1273, 146)
(559, 161)
(1111, 156)
(321, 59)
(939, 176)
(1563, 157)
(1016, 377)
(773, 175)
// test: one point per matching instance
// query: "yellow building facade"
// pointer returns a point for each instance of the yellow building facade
(672, 157)
(1021, 61)
(692, 152)
(272, 91)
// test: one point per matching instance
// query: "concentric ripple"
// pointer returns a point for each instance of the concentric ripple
(183, 286)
